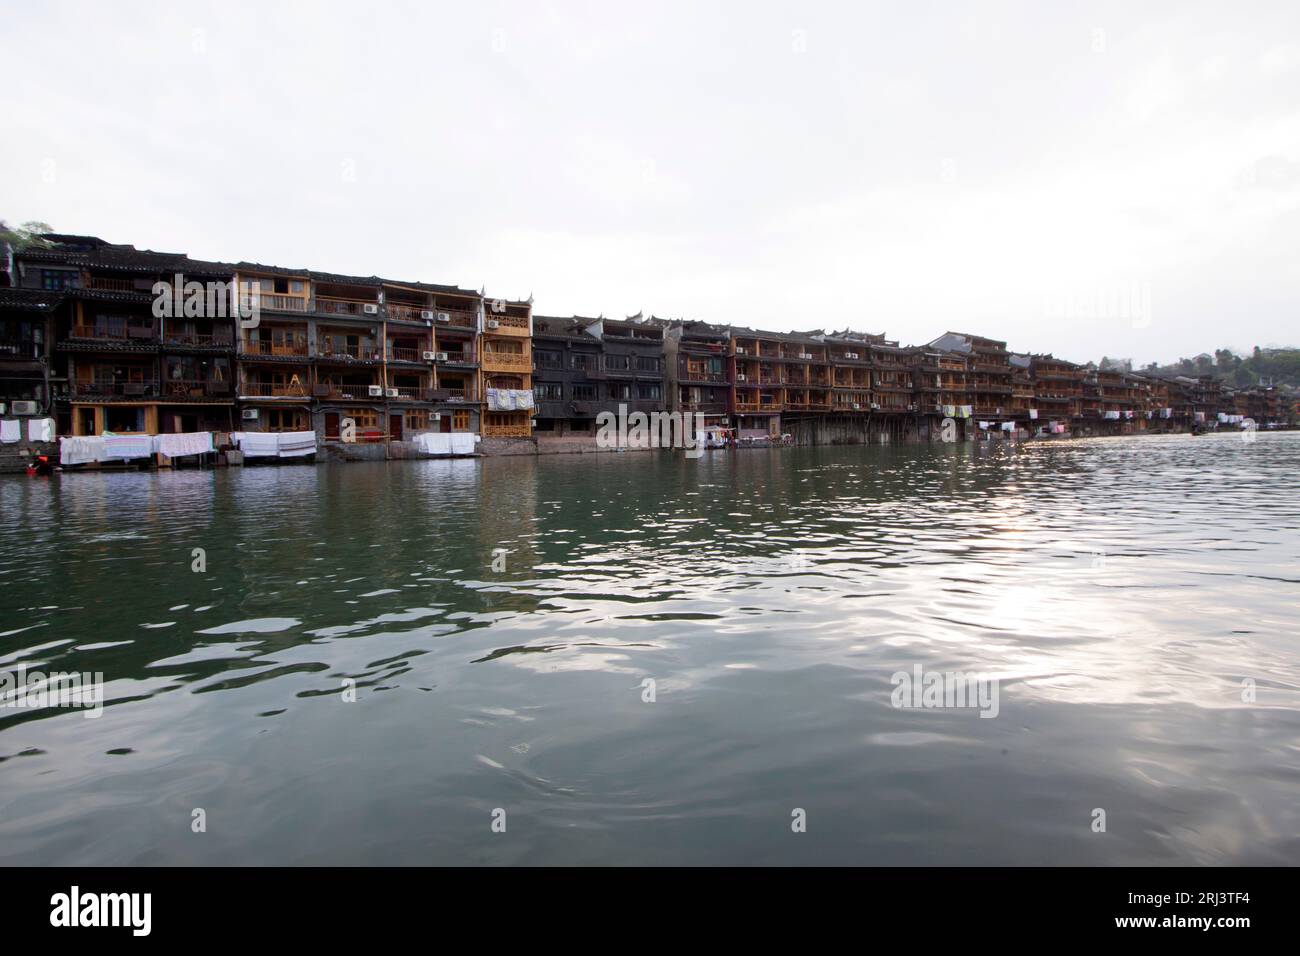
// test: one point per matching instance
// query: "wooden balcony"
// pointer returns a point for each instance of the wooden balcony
(276, 349)
(352, 307)
(506, 361)
(105, 284)
(184, 389)
(196, 340)
(327, 352)
(396, 354)
(274, 302)
(352, 393)
(505, 325)
(106, 391)
(115, 333)
(301, 391)
(456, 318)
(410, 313)
(520, 429)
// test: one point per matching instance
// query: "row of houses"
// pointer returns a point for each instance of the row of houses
(84, 341)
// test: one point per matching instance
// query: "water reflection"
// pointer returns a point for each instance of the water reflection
(1121, 590)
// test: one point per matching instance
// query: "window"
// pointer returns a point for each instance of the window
(58, 279)
(620, 392)
(417, 419)
(284, 420)
(460, 421)
(123, 419)
(618, 363)
(647, 363)
(584, 393)
(548, 360)
(548, 391)
(649, 392)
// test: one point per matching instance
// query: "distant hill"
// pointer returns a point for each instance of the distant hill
(1280, 367)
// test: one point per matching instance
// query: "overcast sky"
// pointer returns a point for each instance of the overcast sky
(1104, 178)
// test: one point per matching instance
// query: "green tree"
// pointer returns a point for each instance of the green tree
(27, 236)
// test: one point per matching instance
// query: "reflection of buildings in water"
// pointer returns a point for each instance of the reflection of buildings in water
(507, 517)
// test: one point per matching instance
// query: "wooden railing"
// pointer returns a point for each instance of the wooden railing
(280, 303)
(104, 284)
(142, 389)
(409, 313)
(344, 306)
(513, 324)
(457, 317)
(505, 361)
(325, 349)
(521, 430)
(21, 349)
(397, 354)
(263, 347)
(275, 390)
(215, 340)
(194, 388)
(118, 333)
(349, 391)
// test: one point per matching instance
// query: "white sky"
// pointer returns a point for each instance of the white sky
(1001, 168)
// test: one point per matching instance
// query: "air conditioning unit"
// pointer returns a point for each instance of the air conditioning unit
(376, 391)
(444, 316)
(249, 414)
(493, 324)
(875, 405)
(440, 356)
(851, 355)
(741, 378)
(740, 351)
(370, 309)
(435, 417)
(428, 356)
(427, 315)
(805, 355)
(24, 408)
(856, 405)
(390, 392)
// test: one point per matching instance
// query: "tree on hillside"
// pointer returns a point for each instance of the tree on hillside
(26, 236)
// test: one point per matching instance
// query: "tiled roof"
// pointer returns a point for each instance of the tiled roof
(37, 300)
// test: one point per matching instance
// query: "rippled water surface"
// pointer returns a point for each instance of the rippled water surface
(1121, 590)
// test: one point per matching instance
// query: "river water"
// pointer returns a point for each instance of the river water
(643, 659)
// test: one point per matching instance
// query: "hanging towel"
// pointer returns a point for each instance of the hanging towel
(40, 429)
(11, 430)
(462, 443)
(127, 446)
(259, 444)
(81, 450)
(296, 444)
(1008, 426)
(1033, 414)
(180, 444)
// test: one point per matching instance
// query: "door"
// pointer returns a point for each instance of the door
(332, 426)
(395, 427)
